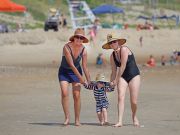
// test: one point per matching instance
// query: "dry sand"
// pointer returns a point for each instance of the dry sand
(38, 47)
(30, 95)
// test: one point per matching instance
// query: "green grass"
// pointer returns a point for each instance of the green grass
(12, 25)
(39, 8)
(37, 25)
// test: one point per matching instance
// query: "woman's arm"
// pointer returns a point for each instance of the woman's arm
(84, 66)
(113, 69)
(71, 64)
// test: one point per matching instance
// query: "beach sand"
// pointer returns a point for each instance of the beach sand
(30, 94)
(30, 104)
(36, 47)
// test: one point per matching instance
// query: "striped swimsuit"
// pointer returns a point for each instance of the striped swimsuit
(100, 95)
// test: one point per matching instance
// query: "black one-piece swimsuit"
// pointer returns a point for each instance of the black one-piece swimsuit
(131, 69)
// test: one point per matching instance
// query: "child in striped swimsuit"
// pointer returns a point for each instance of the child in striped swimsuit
(100, 87)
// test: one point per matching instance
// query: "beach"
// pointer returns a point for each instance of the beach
(30, 104)
(38, 48)
(30, 95)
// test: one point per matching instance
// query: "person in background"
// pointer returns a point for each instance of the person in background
(172, 61)
(100, 60)
(141, 41)
(92, 33)
(70, 72)
(163, 60)
(151, 62)
(178, 56)
(63, 21)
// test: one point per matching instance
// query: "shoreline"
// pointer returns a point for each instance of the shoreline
(91, 67)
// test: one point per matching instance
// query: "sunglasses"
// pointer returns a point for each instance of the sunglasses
(79, 37)
(112, 42)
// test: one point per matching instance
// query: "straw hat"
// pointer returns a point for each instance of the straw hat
(101, 78)
(110, 38)
(53, 10)
(79, 32)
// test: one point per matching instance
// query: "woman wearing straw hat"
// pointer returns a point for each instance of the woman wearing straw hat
(125, 73)
(70, 72)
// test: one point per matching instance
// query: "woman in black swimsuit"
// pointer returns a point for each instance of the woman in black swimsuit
(125, 73)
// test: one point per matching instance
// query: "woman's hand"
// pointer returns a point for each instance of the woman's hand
(113, 83)
(89, 82)
(82, 81)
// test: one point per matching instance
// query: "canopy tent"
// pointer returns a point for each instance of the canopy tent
(166, 17)
(157, 17)
(154, 18)
(105, 9)
(143, 17)
(9, 6)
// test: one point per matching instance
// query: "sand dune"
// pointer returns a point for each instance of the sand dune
(36, 47)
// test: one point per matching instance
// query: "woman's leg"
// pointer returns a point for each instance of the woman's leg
(134, 85)
(77, 102)
(121, 88)
(65, 100)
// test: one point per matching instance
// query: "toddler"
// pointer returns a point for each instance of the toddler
(100, 87)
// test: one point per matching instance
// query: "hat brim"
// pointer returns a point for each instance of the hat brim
(85, 40)
(102, 80)
(120, 41)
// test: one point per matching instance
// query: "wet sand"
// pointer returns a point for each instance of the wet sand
(30, 103)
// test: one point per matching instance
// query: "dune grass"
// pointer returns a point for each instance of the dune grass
(39, 8)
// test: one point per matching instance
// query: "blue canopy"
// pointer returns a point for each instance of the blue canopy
(143, 17)
(166, 17)
(157, 17)
(104, 9)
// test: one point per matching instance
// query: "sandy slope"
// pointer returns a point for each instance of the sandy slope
(37, 47)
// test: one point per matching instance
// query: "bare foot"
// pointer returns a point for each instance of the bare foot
(119, 124)
(66, 122)
(101, 123)
(106, 124)
(77, 124)
(136, 122)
